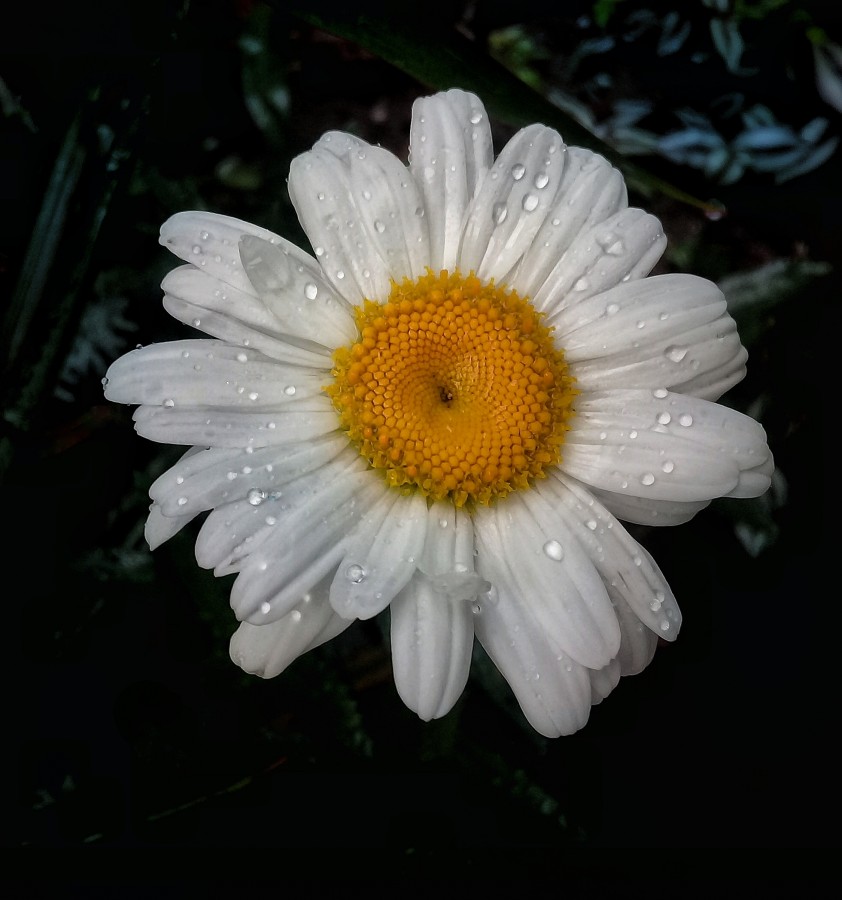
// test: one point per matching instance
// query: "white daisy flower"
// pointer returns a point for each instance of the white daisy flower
(445, 411)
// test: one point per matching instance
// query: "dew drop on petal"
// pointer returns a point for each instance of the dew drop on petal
(612, 308)
(664, 418)
(476, 118)
(379, 227)
(665, 626)
(242, 357)
(554, 550)
(541, 180)
(355, 573)
(685, 419)
(517, 171)
(530, 202)
(667, 466)
(169, 404)
(675, 353)
(647, 478)
(265, 608)
(310, 291)
(581, 285)
(256, 496)
(499, 213)
(289, 390)
(295, 616)
(182, 501)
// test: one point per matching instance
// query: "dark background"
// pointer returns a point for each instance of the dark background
(126, 724)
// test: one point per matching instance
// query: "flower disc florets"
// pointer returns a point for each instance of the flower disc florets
(454, 387)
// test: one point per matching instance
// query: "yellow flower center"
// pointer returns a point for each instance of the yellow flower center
(454, 387)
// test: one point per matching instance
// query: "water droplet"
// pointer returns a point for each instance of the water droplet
(591, 524)
(256, 496)
(169, 404)
(340, 274)
(665, 626)
(530, 202)
(242, 357)
(232, 476)
(641, 324)
(647, 478)
(612, 308)
(253, 395)
(603, 435)
(197, 323)
(660, 393)
(667, 466)
(618, 248)
(554, 550)
(517, 171)
(197, 249)
(310, 291)
(289, 390)
(476, 118)
(355, 574)
(319, 251)
(295, 615)
(675, 353)
(265, 608)
(271, 520)
(182, 501)
(499, 213)
(638, 561)
(664, 418)
(204, 235)
(632, 434)
(685, 419)
(581, 285)
(541, 180)
(654, 604)
(379, 227)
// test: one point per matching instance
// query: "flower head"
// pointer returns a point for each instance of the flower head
(445, 411)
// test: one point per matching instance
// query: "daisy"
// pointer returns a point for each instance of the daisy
(445, 411)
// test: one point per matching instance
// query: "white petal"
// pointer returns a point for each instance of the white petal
(626, 569)
(232, 315)
(267, 650)
(160, 528)
(512, 202)
(217, 476)
(637, 644)
(552, 689)
(682, 336)
(236, 428)
(645, 511)
(381, 556)
(591, 190)
(211, 243)
(528, 552)
(314, 517)
(432, 636)
(304, 304)
(323, 196)
(603, 681)
(662, 445)
(450, 154)
(392, 211)
(448, 557)
(211, 374)
(622, 248)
